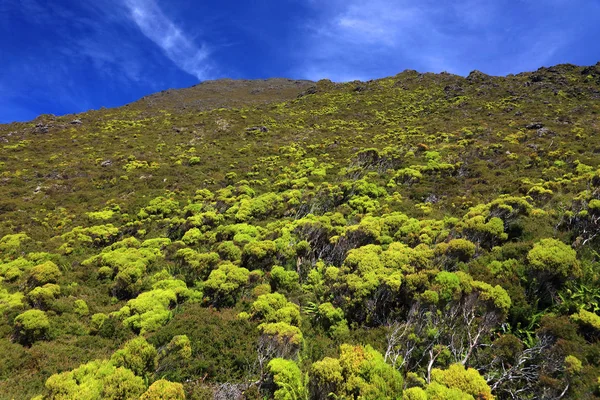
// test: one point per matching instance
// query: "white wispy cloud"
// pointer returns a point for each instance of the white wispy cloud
(359, 39)
(178, 47)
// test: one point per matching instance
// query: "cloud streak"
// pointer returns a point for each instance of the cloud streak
(353, 39)
(179, 48)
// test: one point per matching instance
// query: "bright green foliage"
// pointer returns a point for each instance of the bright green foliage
(258, 254)
(128, 265)
(192, 236)
(44, 273)
(448, 285)
(136, 355)
(162, 389)
(259, 206)
(203, 195)
(126, 242)
(364, 204)
(280, 318)
(122, 384)
(594, 204)
(451, 286)
(283, 332)
(159, 207)
(485, 232)
(368, 228)
(289, 380)
(156, 243)
(173, 355)
(10, 300)
(332, 320)
(573, 365)
(588, 319)
(359, 371)
(460, 249)
(285, 245)
(274, 307)
(97, 321)
(509, 207)
(12, 270)
(553, 257)
(10, 244)
(42, 297)
(134, 164)
(496, 295)
(81, 308)
(205, 220)
(282, 279)
(30, 326)
(40, 256)
(229, 251)
(103, 215)
(430, 297)
(181, 346)
(437, 391)
(408, 176)
(97, 235)
(414, 393)
(364, 272)
(176, 286)
(239, 233)
(197, 265)
(148, 311)
(466, 380)
(224, 283)
(540, 193)
(326, 376)
(261, 289)
(507, 269)
(95, 380)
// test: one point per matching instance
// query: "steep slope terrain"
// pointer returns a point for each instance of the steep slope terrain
(423, 236)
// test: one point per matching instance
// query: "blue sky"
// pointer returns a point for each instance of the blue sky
(68, 56)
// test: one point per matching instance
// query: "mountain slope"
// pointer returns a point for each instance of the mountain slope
(424, 221)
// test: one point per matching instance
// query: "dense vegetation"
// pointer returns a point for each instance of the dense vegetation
(421, 236)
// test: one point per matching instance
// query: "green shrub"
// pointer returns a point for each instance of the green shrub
(588, 319)
(274, 307)
(148, 311)
(136, 355)
(159, 207)
(258, 254)
(95, 380)
(359, 371)
(10, 244)
(42, 297)
(30, 326)
(13, 270)
(163, 389)
(282, 279)
(415, 393)
(288, 379)
(332, 320)
(192, 236)
(81, 308)
(460, 249)
(224, 283)
(44, 273)
(554, 258)
(229, 251)
(10, 301)
(96, 322)
(468, 381)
